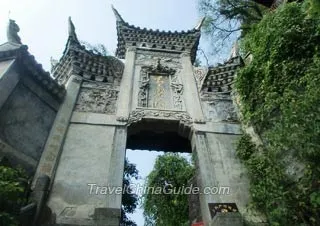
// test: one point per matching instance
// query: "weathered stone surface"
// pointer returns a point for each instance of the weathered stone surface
(85, 159)
(218, 108)
(25, 122)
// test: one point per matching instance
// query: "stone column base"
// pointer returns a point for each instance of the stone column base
(227, 219)
(101, 217)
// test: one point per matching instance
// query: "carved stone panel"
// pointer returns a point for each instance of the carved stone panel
(159, 92)
(160, 87)
(97, 99)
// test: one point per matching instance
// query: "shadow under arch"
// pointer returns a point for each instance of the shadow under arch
(159, 135)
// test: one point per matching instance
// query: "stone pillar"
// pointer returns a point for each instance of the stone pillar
(204, 179)
(52, 150)
(125, 95)
(111, 215)
(219, 168)
(191, 95)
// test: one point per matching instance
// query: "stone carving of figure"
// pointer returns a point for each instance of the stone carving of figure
(177, 92)
(143, 91)
(12, 32)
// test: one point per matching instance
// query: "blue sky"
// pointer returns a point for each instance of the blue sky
(43, 23)
(43, 27)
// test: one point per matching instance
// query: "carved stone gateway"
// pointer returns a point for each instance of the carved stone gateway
(99, 106)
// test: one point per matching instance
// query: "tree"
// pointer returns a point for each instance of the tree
(12, 194)
(227, 19)
(164, 203)
(129, 199)
(279, 93)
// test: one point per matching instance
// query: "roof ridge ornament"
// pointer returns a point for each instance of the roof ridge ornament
(117, 14)
(12, 32)
(71, 29)
(198, 27)
(235, 51)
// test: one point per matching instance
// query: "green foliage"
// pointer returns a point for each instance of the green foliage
(280, 97)
(166, 205)
(98, 49)
(129, 199)
(226, 19)
(11, 194)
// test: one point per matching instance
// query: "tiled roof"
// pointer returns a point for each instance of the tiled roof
(220, 78)
(11, 50)
(129, 35)
(86, 63)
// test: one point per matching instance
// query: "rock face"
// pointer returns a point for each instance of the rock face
(75, 128)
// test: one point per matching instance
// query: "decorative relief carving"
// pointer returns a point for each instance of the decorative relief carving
(159, 92)
(199, 74)
(170, 60)
(144, 85)
(177, 89)
(97, 98)
(122, 119)
(139, 114)
(156, 80)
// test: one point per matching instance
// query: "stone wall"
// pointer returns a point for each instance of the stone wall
(26, 115)
(85, 159)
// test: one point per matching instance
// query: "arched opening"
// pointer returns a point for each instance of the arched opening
(149, 139)
(159, 135)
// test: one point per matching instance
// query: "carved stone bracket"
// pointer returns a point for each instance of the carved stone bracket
(122, 119)
(139, 114)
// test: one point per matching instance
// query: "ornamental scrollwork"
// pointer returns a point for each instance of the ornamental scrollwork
(139, 114)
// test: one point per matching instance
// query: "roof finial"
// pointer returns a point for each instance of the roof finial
(235, 50)
(198, 27)
(117, 15)
(72, 30)
(12, 32)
